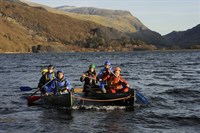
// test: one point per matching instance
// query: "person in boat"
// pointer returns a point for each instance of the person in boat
(89, 77)
(107, 68)
(115, 83)
(47, 77)
(44, 71)
(60, 85)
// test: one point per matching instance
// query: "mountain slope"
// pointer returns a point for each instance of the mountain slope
(148, 36)
(40, 30)
(184, 39)
(37, 26)
(123, 21)
(120, 20)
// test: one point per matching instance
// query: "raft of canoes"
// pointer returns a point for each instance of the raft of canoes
(77, 98)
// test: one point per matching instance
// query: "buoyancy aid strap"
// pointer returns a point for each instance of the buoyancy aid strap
(47, 78)
(58, 89)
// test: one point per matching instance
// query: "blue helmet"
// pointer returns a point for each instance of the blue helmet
(107, 63)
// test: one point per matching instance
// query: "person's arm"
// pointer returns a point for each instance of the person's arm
(50, 87)
(41, 82)
(124, 82)
(99, 74)
(68, 86)
(105, 76)
(82, 78)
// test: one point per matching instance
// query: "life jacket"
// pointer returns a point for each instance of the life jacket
(60, 86)
(114, 83)
(49, 76)
(61, 83)
(91, 74)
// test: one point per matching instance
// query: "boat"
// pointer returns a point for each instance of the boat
(98, 98)
(65, 100)
(102, 99)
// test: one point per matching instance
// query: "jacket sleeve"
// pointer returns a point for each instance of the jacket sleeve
(124, 82)
(68, 85)
(105, 76)
(81, 79)
(50, 87)
(42, 81)
(99, 74)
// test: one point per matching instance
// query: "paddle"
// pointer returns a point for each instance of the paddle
(26, 88)
(90, 77)
(32, 98)
(139, 96)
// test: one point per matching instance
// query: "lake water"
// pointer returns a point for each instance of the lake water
(170, 80)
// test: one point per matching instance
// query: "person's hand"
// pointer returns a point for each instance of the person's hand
(108, 71)
(83, 75)
(127, 85)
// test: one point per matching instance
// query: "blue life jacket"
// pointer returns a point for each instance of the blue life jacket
(57, 85)
(49, 76)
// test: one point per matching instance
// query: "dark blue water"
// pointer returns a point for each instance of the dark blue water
(170, 80)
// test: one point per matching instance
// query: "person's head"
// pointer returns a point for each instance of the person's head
(92, 68)
(50, 68)
(117, 71)
(44, 71)
(60, 75)
(107, 65)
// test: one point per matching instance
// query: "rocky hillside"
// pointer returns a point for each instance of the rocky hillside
(184, 39)
(148, 36)
(25, 29)
(121, 20)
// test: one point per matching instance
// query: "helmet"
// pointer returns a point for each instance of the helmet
(107, 63)
(92, 66)
(60, 72)
(117, 69)
(50, 66)
(44, 70)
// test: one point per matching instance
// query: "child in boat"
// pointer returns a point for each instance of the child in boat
(115, 83)
(106, 69)
(89, 77)
(47, 76)
(60, 85)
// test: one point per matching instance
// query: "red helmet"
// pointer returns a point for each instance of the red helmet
(117, 69)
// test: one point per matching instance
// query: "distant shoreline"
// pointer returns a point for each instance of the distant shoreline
(102, 51)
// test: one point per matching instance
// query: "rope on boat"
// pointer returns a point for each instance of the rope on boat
(99, 100)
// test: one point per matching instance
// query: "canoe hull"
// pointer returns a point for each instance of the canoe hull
(65, 100)
(121, 99)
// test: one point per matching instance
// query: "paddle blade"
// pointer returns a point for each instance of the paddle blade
(25, 88)
(32, 99)
(141, 98)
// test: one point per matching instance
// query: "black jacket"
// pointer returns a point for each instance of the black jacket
(87, 80)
